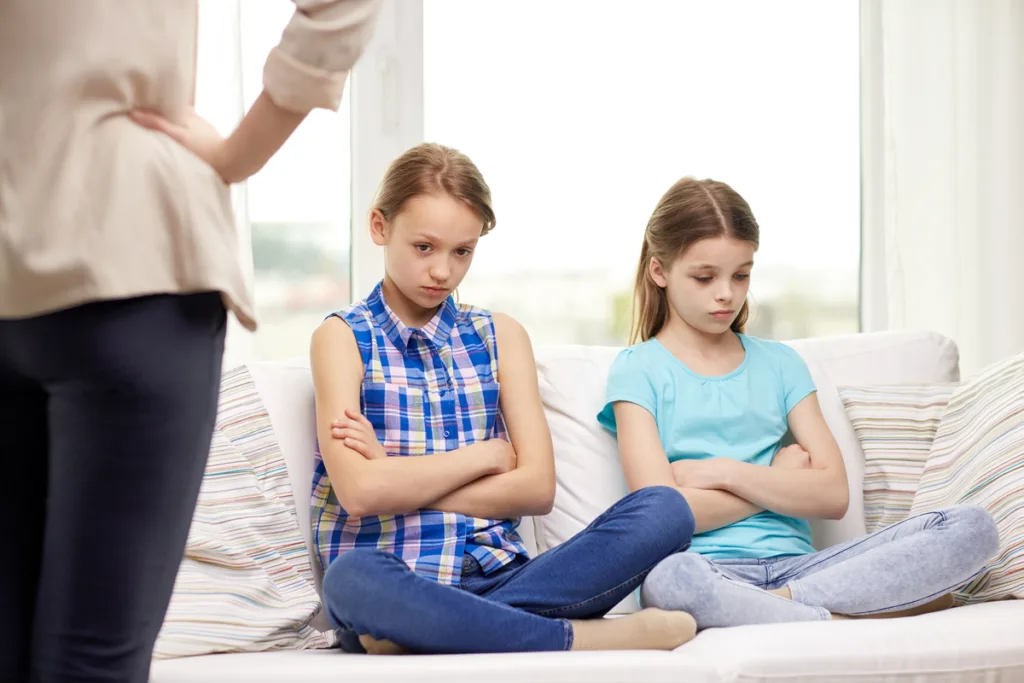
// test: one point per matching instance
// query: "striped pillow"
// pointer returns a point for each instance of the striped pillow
(978, 458)
(246, 582)
(895, 426)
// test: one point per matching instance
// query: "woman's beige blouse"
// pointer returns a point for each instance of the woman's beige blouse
(94, 207)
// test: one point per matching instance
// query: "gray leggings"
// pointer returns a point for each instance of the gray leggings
(902, 566)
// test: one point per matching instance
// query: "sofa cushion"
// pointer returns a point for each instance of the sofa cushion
(978, 458)
(328, 666)
(589, 476)
(966, 644)
(246, 581)
(895, 426)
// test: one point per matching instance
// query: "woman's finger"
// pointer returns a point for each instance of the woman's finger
(148, 119)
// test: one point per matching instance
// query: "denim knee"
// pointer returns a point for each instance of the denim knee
(977, 527)
(352, 583)
(667, 522)
(679, 582)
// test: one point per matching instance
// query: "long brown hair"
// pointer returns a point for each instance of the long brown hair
(690, 211)
(430, 168)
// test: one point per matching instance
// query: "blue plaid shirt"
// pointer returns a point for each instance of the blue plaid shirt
(427, 390)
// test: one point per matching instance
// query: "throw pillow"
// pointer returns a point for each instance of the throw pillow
(895, 426)
(246, 582)
(978, 458)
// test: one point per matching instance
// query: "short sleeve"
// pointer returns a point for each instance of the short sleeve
(629, 381)
(796, 378)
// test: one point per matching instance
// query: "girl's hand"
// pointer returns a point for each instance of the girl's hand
(712, 473)
(195, 134)
(357, 433)
(504, 456)
(792, 457)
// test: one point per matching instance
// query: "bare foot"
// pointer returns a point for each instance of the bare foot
(381, 647)
(783, 592)
(648, 629)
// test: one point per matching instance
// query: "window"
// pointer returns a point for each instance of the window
(294, 214)
(580, 114)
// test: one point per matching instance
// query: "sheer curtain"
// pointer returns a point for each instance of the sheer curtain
(943, 171)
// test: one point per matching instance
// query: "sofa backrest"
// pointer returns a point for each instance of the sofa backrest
(572, 380)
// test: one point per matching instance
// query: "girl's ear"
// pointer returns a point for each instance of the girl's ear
(657, 273)
(378, 227)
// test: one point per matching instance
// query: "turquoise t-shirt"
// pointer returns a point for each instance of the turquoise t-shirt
(740, 415)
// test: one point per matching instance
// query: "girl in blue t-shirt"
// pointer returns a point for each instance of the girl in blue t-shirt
(700, 406)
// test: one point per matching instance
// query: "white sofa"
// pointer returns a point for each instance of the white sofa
(977, 643)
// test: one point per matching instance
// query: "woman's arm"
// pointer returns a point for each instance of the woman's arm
(529, 489)
(645, 464)
(820, 491)
(381, 486)
(308, 69)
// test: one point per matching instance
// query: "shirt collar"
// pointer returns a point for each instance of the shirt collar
(437, 331)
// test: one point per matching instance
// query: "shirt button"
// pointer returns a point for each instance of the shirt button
(447, 433)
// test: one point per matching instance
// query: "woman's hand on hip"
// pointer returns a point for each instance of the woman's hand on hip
(195, 134)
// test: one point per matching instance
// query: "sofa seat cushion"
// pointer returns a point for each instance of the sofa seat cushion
(974, 643)
(337, 667)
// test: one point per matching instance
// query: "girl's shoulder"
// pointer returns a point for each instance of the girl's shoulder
(490, 325)
(478, 319)
(358, 315)
(642, 358)
(778, 355)
(472, 314)
(769, 347)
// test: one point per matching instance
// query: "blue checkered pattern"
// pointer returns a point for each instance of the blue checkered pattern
(427, 390)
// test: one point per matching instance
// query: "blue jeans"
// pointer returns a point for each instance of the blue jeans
(522, 607)
(904, 565)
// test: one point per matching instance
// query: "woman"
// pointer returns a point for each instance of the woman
(117, 261)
